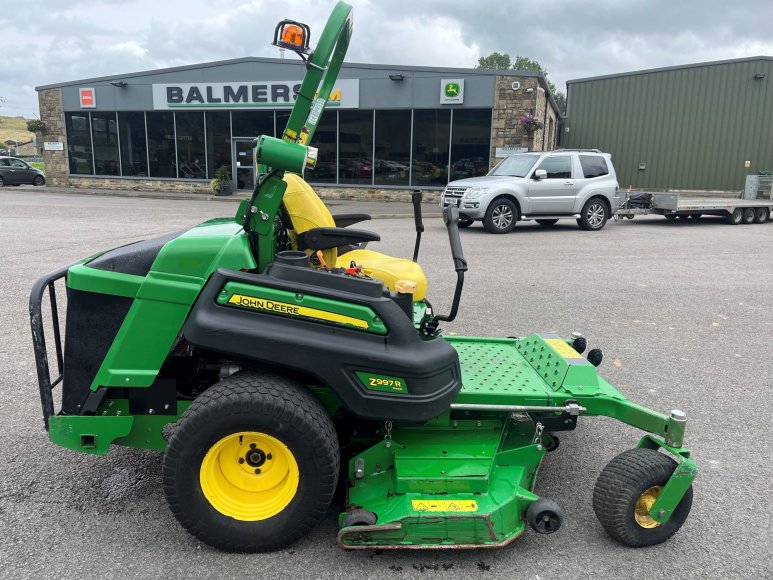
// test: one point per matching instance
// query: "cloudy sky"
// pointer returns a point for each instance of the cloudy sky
(48, 41)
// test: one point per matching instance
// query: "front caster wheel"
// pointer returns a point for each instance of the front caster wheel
(545, 516)
(625, 492)
(252, 465)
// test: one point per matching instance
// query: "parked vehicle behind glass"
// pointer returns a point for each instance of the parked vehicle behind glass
(544, 186)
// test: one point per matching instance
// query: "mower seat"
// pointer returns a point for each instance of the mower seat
(306, 212)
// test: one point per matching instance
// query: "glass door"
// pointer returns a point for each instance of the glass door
(243, 170)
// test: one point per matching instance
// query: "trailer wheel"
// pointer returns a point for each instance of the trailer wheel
(735, 217)
(748, 215)
(761, 215)
(670, 217)
(626, 489)
(253, 464)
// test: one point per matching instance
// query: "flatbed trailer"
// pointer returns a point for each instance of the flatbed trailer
(677, 205)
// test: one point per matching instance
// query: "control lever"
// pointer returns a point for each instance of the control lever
(451, 219)
(416, 199)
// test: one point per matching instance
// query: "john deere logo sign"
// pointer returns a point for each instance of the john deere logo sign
(451, 91)
(255, 95)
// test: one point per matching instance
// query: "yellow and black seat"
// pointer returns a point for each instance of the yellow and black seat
(314, 228)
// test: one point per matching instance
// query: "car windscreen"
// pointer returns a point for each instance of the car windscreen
(515, 165)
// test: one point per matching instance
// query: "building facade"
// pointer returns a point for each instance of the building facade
(697, 127)
(386, 129)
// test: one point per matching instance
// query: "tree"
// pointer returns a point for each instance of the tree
(499, 61)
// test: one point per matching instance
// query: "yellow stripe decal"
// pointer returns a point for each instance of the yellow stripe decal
(562, 348)
(444, 505)
(294, 310)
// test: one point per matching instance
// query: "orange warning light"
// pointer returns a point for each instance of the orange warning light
(292, 35)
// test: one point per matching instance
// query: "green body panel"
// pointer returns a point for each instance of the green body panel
(162, 299)
(323, 305)
(112, 424)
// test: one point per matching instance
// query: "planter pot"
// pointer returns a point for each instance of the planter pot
(225, 189)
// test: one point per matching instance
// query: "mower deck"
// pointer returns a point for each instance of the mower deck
(466, 479)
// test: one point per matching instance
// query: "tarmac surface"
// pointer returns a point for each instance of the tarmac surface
(682, 311)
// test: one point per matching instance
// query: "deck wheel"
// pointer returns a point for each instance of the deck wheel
(626, 490)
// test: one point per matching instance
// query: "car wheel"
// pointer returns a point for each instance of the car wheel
(38, 181)
(594, 215)
(501, 216)
(2, 182)
(546, 222)
(463, 223)
(762, 215)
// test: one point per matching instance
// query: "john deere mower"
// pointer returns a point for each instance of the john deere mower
(271, 356)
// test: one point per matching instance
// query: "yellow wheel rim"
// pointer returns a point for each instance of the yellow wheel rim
(643, 506)
(249, 476)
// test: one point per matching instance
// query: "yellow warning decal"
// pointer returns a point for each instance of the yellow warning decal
(562, 348)
(294, 310)
(445, 505)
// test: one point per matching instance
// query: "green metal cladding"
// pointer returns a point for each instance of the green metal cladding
(693, 126)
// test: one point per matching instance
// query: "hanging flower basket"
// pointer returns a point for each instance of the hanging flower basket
(531, 124)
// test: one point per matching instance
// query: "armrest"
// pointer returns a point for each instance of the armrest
(344, 220)
(326, 238)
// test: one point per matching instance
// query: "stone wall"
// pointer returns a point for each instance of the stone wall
(202, 187)
(510, 104)
(52, 115)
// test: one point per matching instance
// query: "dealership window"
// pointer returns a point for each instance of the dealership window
(253, 123)
(218, 141)
(134, 149)
(161, 142)
(104, 136)
(355, 147)
(430, 146)
(191, 163)
(470, 143)
(393, 147)
(324, 139)
(79, 144)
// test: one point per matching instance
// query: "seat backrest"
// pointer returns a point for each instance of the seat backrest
(306, 212)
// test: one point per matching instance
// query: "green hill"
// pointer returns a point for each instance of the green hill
(14, 128)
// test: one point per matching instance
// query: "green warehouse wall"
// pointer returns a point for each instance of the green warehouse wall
(693, 126)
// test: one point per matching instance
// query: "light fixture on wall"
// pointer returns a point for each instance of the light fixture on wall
(119, 84)
(759, 76)
(396, 77)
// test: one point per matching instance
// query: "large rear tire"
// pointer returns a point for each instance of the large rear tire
(626, 489)
(252, 465)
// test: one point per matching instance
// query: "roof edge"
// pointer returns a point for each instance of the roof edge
(670, 68)
(266, 60)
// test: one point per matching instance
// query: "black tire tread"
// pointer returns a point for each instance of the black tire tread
(242, 394)
(620, 484)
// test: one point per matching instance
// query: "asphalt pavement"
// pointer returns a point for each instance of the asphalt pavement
(682, 311)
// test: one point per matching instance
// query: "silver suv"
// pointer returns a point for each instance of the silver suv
(543, 186)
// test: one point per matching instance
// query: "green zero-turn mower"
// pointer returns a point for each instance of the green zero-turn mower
(271, 355)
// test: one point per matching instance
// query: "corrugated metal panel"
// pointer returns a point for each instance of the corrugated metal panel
(693, 127)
